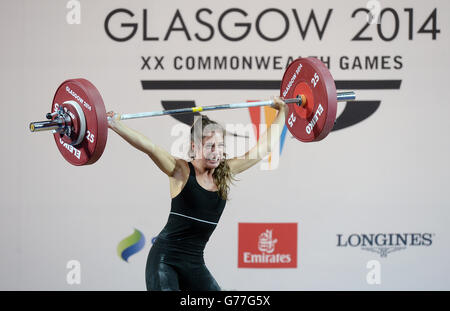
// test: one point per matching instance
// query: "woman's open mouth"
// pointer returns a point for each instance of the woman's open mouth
(213, 160)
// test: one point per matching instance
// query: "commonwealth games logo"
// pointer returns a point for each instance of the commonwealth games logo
(131, 245)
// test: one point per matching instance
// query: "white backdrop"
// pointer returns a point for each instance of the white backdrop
(388, 173)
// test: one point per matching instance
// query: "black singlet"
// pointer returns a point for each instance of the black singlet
(178, 249)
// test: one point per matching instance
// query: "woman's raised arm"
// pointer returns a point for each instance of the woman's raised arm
(163, 159)
(265, 143)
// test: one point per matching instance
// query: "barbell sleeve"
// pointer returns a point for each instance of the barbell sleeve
(46, 125)
(346, 96)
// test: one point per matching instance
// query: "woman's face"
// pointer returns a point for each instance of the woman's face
(212, 149)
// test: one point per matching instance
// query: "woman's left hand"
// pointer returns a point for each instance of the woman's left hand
(278, 103)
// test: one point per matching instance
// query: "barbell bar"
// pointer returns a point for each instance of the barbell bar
(300, 101)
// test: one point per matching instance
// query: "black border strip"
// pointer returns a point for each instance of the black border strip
(260, 84)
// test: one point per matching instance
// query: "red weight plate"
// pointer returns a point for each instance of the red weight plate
(310, 77)
(89, 99)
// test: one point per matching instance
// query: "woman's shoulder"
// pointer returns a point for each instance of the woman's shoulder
(180, 177)
(183, 166)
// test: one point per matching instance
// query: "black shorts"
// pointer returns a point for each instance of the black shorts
(171, 269)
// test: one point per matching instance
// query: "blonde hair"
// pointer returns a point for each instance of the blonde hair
(222, 175)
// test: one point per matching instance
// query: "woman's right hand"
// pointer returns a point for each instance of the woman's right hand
(113, 119)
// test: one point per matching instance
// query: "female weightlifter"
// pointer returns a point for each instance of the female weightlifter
(199, 190)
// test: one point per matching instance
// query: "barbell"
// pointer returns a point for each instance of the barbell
(79, 122)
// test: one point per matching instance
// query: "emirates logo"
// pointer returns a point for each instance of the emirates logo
(267, 245)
